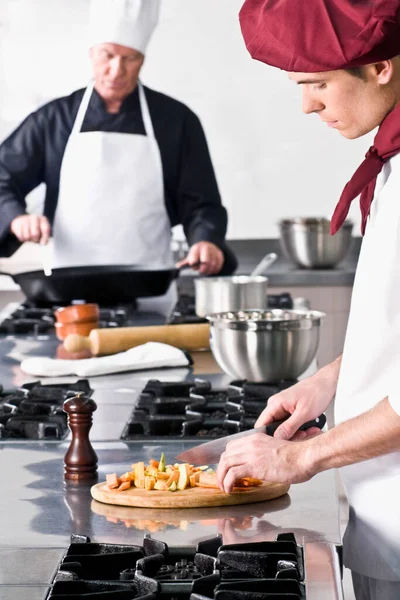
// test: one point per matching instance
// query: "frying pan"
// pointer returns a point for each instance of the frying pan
(106, 285)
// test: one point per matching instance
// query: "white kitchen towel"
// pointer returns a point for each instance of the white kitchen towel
(152, 355)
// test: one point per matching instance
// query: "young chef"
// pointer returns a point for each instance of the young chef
(345, 55)
(122, 163)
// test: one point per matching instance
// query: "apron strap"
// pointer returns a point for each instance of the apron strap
(82, 109)
(148, 125)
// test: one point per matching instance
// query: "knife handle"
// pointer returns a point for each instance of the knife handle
(272, 427)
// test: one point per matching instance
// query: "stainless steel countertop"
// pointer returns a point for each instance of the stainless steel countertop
(39, 512)
(38, 509)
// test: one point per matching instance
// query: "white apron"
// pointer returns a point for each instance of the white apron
(111, 207)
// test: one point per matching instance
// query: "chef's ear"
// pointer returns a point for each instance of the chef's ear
(384, 70)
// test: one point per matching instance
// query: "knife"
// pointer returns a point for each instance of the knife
(209, 453)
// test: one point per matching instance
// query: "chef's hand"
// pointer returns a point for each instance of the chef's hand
(301, 402)
(265, 458)
(31, 228)
(204, 257)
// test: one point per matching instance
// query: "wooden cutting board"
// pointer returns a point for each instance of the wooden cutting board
(189, 498)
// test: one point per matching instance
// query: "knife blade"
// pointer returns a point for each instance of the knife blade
(209, 453)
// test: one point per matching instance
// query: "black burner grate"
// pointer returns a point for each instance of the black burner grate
(265, 570)
(193, 410)
(35, 411)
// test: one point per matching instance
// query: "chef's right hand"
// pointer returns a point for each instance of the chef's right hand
(301, 402)
(31, 228)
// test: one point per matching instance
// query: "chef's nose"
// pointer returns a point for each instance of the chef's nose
(310, 103)
(117, 66)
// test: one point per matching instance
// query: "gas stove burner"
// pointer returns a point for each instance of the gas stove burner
(195, 409)
(208, 571)
(35, 411)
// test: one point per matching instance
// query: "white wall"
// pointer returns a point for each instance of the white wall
(271, 160)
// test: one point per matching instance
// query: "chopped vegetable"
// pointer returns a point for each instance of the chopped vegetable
(161, 464)
(173, 478)
(161, 485)
(125, 485)
(139, 474)
(149, 483)
(159, 476)
(112, 480)
(184, 474)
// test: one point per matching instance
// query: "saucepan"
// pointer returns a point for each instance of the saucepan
(238, 292)
(106, 285)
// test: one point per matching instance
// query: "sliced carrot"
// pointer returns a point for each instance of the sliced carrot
(125, 485)
(128, 476)
(252, 481)
(162, 475)
(205, 485)
(174, 476)
(194, 478)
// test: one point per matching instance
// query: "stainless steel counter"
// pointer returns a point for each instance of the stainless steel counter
(38, 511)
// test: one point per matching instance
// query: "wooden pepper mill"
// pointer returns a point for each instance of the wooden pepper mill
(80, 461)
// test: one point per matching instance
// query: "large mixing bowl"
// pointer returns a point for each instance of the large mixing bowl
(307, 242)
(265, 345)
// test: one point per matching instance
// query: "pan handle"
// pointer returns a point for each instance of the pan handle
(8, 274)
(183, 267)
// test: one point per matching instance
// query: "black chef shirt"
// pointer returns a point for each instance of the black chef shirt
(33, 154)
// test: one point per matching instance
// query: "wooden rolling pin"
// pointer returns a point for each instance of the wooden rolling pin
(111, 341)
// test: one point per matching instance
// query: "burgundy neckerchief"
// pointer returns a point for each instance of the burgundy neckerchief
(386, 144)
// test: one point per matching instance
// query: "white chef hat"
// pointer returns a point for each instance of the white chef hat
(126, 22)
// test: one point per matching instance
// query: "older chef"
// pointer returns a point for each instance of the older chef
(121, 163)
(345, 55)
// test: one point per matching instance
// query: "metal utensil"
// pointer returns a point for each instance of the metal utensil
(264, 264)
(265, 345)
(45, 255)
(210, 452)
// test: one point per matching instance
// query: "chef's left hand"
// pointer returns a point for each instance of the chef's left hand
(204, 257)
(263, 457)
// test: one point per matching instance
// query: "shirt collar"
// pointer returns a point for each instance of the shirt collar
(130, 102)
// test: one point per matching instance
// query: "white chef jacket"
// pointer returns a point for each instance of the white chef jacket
(370, 371)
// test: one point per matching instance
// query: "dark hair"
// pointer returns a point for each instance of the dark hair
(356, 72)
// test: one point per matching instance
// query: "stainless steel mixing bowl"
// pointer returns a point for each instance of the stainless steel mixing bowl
(307, 242)
(265, 345)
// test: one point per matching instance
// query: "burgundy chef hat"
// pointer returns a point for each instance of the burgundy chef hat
(311, 36)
